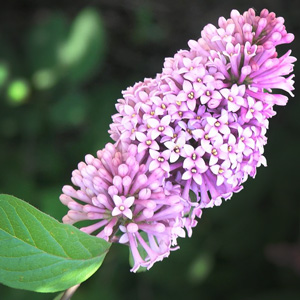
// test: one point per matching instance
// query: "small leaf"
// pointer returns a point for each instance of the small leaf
(84, 49)
(40, 254)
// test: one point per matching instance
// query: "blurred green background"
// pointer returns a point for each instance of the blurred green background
(63, 65)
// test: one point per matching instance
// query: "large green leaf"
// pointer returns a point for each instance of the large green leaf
(40, 254)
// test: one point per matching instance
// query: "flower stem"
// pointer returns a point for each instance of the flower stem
(69, 292)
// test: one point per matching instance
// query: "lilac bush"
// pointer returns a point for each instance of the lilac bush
(186, 139)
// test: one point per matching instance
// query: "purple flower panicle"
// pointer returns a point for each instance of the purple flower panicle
(211, 104)
(186, 139)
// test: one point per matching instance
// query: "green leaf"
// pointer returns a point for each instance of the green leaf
(40, 254)
(84, 49)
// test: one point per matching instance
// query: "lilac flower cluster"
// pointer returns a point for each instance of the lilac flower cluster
(198, 128)
(204, 118)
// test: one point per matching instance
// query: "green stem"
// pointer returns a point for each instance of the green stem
(69, 292)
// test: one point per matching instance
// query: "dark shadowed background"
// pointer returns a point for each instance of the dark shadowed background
(63, 65)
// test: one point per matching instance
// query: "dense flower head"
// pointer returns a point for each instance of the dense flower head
(186, 139)
(203, 119)
(127, 203)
